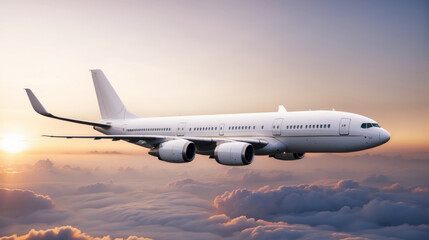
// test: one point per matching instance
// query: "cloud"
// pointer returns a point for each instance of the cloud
(266, 177)
(63, 233)
(344, 206)
(16, 203)
(389, 213)
(376, 179)
(345, 184)
(421, 189)
(398, 188)
(206, 190)
(250, 228)
(104, 152)
(290, 199)
(44, 164)
(101, 187)
(181, 183)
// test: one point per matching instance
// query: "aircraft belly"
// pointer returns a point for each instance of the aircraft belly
(274, 145)
(324, 144)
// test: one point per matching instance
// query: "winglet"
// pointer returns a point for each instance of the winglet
(37, 106)
(282, 109)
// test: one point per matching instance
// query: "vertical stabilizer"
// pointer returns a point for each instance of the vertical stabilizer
(111, 106)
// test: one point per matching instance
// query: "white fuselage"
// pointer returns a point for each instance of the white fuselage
(299, 132)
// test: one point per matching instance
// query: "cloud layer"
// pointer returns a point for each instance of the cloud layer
(17, 203)
(217, 202)
(345, 206)
(63, 233)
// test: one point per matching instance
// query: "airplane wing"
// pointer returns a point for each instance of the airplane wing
(38, 107)
(154, 140)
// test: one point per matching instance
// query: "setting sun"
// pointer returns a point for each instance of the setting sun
(13, 143)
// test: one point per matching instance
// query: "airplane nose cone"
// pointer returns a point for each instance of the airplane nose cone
(384, 136)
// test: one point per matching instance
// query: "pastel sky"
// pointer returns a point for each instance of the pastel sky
(168, 58)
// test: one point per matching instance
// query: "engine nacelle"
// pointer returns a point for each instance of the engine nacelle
(288, 156)
(234, 153)
(175, 151)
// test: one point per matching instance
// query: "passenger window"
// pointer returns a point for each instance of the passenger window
(324, 126)
(262, 127)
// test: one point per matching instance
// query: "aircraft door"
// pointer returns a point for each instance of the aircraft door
(277, 127)
(221, 129)
(344, 126)
(181, 129)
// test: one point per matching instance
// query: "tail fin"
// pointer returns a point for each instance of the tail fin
(111, 106)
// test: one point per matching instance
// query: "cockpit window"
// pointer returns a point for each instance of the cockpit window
(369, 125)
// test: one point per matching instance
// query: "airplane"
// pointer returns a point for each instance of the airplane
(231, 139)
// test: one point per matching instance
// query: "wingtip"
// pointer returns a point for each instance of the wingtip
(35, 103)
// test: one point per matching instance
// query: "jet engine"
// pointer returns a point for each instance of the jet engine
(234, 153)
(175, 151)
(288, 156)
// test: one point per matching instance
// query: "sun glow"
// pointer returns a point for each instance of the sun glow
(13, 143)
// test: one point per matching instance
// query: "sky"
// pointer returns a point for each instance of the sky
(169, 58)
